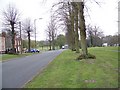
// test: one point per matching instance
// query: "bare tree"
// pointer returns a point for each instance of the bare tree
(28, 28)
(95, 35)
(52, 32)
(49, 34)
(71, 19)
(112, 40)
(82, 28)
(75, 8)
(11, 17)
(90, 34)
(65, 15)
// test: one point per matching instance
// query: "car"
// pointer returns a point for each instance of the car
(32, 50)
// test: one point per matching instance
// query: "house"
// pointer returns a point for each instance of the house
(2, 44)
(104, 44)
(18, 43)
(6, 42)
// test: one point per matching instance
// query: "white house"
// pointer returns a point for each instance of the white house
(105, 44)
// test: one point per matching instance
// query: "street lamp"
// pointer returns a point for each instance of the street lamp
(35, 29)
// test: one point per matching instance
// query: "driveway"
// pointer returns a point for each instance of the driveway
(16, 72)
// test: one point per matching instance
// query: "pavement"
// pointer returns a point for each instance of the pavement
(16, 72)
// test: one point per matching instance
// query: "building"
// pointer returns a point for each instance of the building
(2, 44)
(18, 44)
(6, 42)
(104, 44)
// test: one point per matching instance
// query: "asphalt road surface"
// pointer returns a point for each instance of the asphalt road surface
(16, 72)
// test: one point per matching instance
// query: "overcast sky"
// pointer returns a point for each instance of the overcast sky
(105, 17)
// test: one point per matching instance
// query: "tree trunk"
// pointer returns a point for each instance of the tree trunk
(76, 28)
(72, 31)
(13, 38)
(28, 41)
(50, 45)
(16, 45)
(82, 29)
(71, 27)
(53, 41)
(53, 45)
(91, 38)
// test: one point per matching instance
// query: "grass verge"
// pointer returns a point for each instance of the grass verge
(6, 57)
(66, 72)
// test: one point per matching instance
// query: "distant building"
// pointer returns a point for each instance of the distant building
(8, 41)
(104, 44)
(116, 45)
(2, 44)
(18, 44)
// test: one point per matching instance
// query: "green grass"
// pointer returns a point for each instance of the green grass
(66, 72)
(5, 57)
(106, 48)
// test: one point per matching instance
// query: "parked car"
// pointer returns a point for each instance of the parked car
(32, 50)
(35, 50)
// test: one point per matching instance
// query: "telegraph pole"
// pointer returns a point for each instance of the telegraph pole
(20, 38)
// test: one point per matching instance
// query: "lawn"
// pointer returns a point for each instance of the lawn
(66, 72)
(5, 57)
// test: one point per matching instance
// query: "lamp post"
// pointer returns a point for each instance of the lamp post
(35, 29)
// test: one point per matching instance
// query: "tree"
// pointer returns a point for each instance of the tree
(41, 44)
(90, 35)
(112, 40)
(28, 28)
(65, 16)
(95, 35)
(32, 45)
(25, 43)
(49, 37)
(11, 17)
(75, 8)
(52, 32)
(72, 15)
(69, 16)
(82, 29)
(60, 40)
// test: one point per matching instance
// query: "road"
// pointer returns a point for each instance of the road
(16, 72)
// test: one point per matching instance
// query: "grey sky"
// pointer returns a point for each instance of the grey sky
(105, 17)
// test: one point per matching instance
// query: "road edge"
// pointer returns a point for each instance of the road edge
(40, 71)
